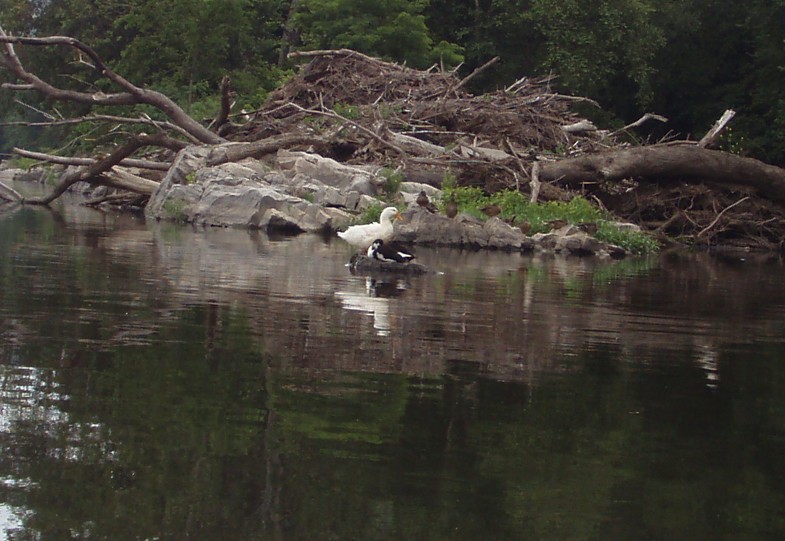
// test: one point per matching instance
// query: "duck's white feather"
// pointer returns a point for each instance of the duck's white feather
(363, 235)
(389, 253)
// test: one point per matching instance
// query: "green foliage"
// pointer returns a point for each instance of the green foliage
(450, 181)
(637, 242)
(596, 45)
(731, 141)
(392, 29)
(392, 181)
(20, 162)
(517, 209)
(175, 210)
(352, 112)
(370, 214)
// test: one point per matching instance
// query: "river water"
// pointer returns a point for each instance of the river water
(163, 382)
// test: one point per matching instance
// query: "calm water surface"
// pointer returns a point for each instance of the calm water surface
(164, 382)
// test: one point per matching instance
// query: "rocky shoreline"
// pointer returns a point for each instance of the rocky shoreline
(308, 193)
(303, 192)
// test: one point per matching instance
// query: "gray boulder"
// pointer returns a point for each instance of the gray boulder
(230, 195)
(422, 227)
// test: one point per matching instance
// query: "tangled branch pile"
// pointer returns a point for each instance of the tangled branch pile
(422, 120)
(426, 124)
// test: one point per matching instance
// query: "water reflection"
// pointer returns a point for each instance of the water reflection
(164, 382)
(374, 299)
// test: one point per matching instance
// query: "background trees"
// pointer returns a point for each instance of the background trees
(687, 59)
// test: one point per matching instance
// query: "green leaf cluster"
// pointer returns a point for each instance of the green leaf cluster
(516, 209)
(394, 29)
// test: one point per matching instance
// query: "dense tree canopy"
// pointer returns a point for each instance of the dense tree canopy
(688, 59)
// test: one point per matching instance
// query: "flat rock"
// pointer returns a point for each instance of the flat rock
(364, 264)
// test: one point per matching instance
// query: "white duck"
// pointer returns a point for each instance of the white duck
(363, 235)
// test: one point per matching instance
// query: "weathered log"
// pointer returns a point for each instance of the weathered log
(125, 180)
(234, 152)
(95, 172)
(711, 136)
(669, 162)
(414, 146)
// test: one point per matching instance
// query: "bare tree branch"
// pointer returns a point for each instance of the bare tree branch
(363, 129)
(145, 120)
(94, 171)
(7, 193)
(68, 160)
(711, 136)
(226, 105)
(343, 52)
(132, 94)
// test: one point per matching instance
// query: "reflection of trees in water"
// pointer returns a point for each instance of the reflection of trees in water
(222, 442)
(229, 393)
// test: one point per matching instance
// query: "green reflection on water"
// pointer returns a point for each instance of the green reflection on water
(186, 427)
(220, 444)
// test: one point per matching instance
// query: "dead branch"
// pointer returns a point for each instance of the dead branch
(342, 52)
(95, 171)
(711, 136)
(642, 120)
(360, 127)
(62, 160)
(7, 193)
(581, 126)
(535, 183)
(226, 105)
(717, 219)
(122, 179)
(472, 75)
(35, 109)
(132, 94)
(146, 120)
(234, 152)
(117, 198)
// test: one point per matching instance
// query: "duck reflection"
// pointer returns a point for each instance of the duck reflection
(375, 300)
(385, 287)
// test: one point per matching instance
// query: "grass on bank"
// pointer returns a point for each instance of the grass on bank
(516, 209)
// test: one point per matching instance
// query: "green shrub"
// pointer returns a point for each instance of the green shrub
(174, 209)
(371, 214)
(392, 180)
(516, 209)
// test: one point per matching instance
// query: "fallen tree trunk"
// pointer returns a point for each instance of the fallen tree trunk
(121, 179)
(668, 162)
(98, 170)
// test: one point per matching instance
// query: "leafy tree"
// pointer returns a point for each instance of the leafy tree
(762, 116)
(393, 29)
(600, 46)
(488, 28)
(194, 43)
(725, 55)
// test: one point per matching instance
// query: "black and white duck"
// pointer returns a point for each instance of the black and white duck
(389, 252)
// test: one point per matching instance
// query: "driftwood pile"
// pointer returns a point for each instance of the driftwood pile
(424, 120)
(426, 124)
